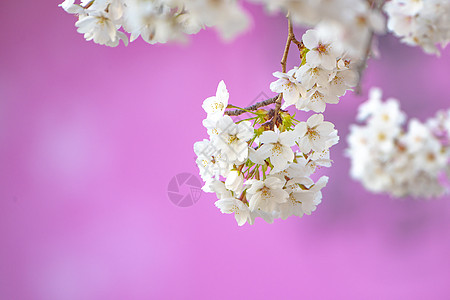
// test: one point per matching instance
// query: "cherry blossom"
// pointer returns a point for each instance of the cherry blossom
(266, 194)
(289, 86)
(386, 157)
(323, 51)
(215, 106)
(314, 133)
(422, 23)
(277, 147)
(232, 205)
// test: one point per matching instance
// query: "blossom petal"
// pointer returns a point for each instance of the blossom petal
(310, 39)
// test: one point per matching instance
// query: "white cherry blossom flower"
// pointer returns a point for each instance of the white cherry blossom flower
(70, 7)
(277, 146)
(269, 217)
(311, 75)
(266, 194)
(302, 201)
(215, 106)
(235, 182)
(233, 205)
(293, 206)
(342, 81)
(314, 134)
(318, 160)
(323, 51)
(98, 27)
(388, 115)
(289, 86)
(232, 139)
(417, 136)
(189, 23)
(312, 197)
(316, 99)
(211, 126)
(432, 159)
(150, 20)
(255, 156)
(384, 137)
(296, 169)
(226, 16)
(218, 187)
(209, 160)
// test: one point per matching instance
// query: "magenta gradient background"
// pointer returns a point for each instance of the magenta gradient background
(90, 137)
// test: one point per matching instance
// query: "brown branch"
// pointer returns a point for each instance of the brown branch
(277, 99)
(277, 109)
(255, 106)
(290, 38)
(297, 42)
(270, 124)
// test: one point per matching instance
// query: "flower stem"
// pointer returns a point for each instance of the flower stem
(255, 106)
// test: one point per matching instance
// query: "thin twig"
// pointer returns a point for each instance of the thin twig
(255, 106)
(290, 38)
(269, 124)
(277, 109)
(277, 99)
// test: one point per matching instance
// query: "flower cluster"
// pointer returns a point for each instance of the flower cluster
(423, 23)
(387, 158)
(156, 21)
(353, 21)
(159, 21)
(262, 166)
(260, 170)
(325, 74)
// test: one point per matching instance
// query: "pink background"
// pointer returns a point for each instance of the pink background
(90, 137)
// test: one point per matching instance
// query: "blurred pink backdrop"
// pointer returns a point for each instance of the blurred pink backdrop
(90, 137)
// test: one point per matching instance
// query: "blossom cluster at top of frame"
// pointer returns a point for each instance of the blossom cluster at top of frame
(353, 21)
(387, 158)
(417, 22)
(423, 23)
(159, 21)
(156, 21)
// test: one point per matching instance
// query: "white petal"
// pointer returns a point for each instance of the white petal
(313, 58)
(315, 120)
(288, 138)
(222, 93)
(268, 137)
(301, 129)
(310, 39)
(328, 62)
(256, 156)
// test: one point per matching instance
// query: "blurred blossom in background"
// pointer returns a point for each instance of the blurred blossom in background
(91, 136)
